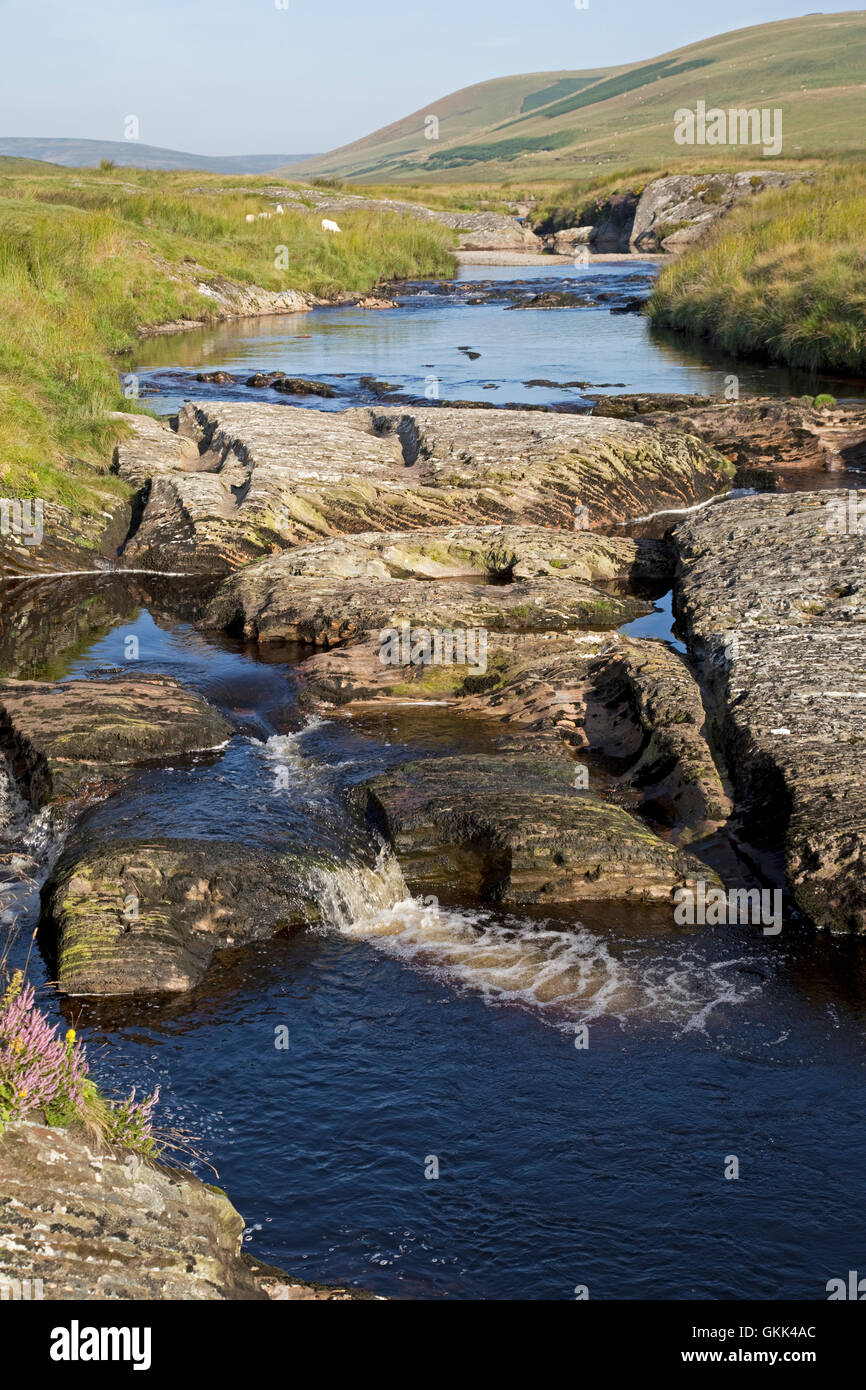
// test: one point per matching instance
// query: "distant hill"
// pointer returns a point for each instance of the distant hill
(83, 154)
(571, 124)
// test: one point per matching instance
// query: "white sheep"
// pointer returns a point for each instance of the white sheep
(250, 217)
(280, 209)
(329, 226)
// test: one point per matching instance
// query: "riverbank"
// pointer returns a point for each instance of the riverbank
(780, 278)
(88, 258)
(140, 1230)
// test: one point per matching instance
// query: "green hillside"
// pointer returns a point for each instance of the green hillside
(559, 125)
(462, 115)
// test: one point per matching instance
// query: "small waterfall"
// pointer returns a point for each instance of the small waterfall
(569, 974)
(358, 899)
(29, 844)
(505, 960)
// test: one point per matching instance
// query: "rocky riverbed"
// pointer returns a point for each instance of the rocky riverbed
(570, 763)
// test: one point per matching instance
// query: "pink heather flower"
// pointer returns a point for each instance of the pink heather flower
(37, 1069)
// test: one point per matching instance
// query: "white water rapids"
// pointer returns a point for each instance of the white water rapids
(568, 972)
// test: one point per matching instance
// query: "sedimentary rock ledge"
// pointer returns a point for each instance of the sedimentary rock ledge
(771, 591)
(62, 738)
(271, 477)
(190, 897)
(515, 830)
(264, 604)
(92, 1224)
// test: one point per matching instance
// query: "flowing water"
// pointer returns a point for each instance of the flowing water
(421, 348)
(420, 1030)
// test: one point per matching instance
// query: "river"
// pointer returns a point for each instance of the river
(419, 1031)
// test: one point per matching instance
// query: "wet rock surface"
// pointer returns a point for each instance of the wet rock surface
(146, 917)
(555, 299)
(514, 829)
(771, 591)
(62, 739)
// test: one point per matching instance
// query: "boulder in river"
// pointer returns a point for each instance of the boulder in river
(516, 830)
(65, 739)
(555, 299)
(146, 916)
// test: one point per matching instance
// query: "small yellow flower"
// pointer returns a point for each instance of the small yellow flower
(17, 1044)
(70, 1037)
(22, 1094)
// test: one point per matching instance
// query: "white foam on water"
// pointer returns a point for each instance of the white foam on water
(32, 833)
(13, 808)
(283, 752)
(570, 975)
(29, 845)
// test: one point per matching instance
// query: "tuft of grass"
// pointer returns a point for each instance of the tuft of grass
(782, 277)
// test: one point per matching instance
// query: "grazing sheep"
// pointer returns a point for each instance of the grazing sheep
(280, 209)
(329, 226)
(250, 217)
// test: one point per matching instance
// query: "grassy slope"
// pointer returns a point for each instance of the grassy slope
(85, 258)
(813, 67)
(461, 116)
(784, 276)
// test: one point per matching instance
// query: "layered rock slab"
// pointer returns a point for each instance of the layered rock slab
(60, 738)
(678, 209)
(766, 434)
(635, 701)
(643, 702)
(147, 916)
(264, 605)
(771, 591)
(273, 477)
(516, 830)
(454, 552)
(91, 1224)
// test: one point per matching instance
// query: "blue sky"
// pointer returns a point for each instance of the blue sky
(244, 77)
